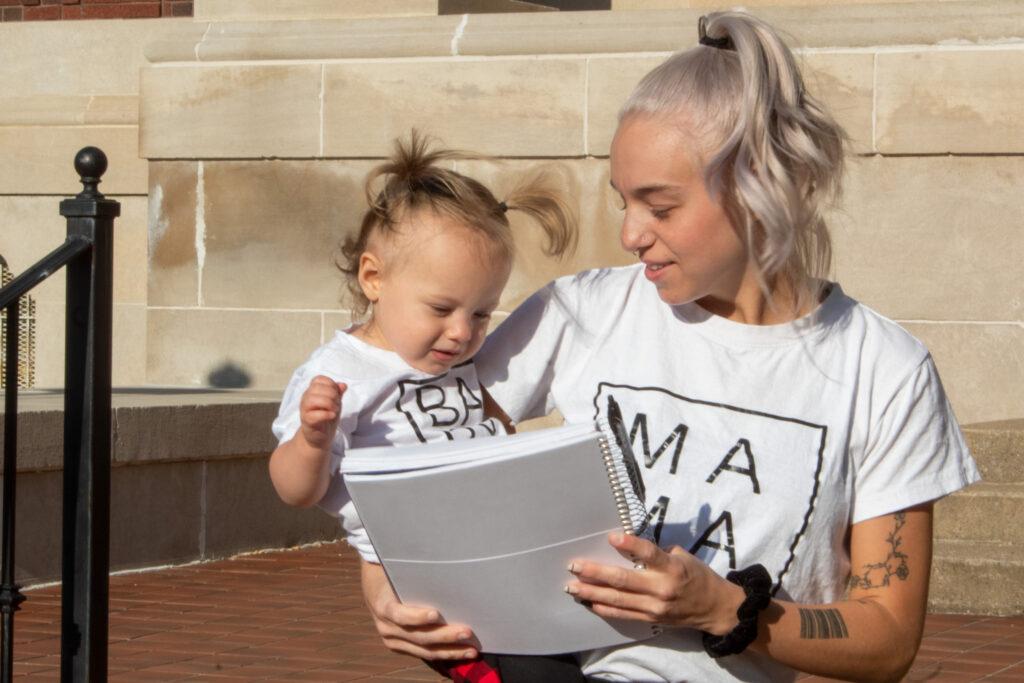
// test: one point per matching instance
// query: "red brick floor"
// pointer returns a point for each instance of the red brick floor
(298, 616)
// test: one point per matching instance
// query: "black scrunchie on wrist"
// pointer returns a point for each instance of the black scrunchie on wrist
(756, 582)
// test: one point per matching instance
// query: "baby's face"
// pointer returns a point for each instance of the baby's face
(437, 294)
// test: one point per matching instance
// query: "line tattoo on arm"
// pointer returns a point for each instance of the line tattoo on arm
(879, 574)
(822, 624)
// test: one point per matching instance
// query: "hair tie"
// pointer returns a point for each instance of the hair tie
(502, 207)
(720, 43)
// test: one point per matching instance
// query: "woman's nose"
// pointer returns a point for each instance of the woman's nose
(634, 235)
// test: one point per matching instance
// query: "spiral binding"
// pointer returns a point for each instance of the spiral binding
(630, 506)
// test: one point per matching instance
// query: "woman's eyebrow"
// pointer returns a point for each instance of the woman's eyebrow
(647, 190)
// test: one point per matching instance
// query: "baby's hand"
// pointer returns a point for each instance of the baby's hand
(319, 411)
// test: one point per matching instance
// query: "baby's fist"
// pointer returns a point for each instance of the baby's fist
(319, 410)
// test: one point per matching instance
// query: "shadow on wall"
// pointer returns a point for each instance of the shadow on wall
(229, 375)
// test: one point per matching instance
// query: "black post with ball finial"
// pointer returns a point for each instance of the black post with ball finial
(87, 380)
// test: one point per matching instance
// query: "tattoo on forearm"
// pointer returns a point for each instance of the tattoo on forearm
(822, 623)
(879, 574)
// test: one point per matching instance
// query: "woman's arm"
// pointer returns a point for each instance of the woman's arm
(873, 635)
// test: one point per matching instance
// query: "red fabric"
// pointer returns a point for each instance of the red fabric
(477, 671)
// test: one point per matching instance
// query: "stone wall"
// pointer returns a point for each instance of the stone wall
(258, 136)
(242, 145)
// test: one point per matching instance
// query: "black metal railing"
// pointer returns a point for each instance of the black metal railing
(88, 255)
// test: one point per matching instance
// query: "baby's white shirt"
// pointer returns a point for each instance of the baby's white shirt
(387, 403)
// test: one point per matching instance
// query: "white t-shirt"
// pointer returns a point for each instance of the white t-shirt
(757, 444)
(387, 403)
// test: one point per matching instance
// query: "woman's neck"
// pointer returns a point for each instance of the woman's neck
(750, 304)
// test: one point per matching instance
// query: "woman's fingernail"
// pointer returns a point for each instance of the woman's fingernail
(464, 635)
(469, 654)
(572, 590)
(616, 538)
(572, 567)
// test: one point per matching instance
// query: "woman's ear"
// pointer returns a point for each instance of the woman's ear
(371, 275)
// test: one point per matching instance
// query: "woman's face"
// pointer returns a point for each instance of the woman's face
(684, 236)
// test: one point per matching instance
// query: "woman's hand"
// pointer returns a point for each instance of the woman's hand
(410, 630)
(674, 588)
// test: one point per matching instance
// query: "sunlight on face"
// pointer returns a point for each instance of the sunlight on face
(439, 284)
(687, 241)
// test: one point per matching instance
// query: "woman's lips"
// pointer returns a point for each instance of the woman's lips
(654, 271)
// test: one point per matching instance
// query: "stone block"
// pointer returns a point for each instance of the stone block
(974, 577)
(130, 260)
(40, 435)
(960, 101)
(998, 448)
(982, 512)
(263, 10)
(320, 39)
(193, 347)
(520, 107)
(128, 339)
(172, 256)
(844, 83)
(244, 513)
(715, 4)
(39, 503)
(78, 58)
(31, 227)
(46, 157)
(610, 80)
(156, 514)
(273, 228)
(981, 367)
(334, 321)
(933, 238)
(578, 33)
(129, 345)
(194, 427)
(230, 111)
(61, 110)
(49, 349)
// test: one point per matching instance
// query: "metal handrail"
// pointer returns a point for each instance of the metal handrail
(88, 256)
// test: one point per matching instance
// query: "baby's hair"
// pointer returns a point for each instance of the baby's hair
(773, 155)
(414, 179)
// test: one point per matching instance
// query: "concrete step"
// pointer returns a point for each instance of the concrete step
(977, 577)
(999, 449)
(983, 512)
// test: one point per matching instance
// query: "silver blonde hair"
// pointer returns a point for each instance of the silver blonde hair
(772, 154)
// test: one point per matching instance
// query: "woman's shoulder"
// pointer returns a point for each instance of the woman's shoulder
(884, 342)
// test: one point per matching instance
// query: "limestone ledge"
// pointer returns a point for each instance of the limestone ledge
(155, 425)
(818, 26)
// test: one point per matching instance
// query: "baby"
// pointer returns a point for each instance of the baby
(430, 261)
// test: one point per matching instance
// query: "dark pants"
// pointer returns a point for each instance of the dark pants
(490, 668)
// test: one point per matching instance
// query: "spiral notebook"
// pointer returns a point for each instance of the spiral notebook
(483, 530)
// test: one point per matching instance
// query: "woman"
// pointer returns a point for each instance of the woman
(792, 439)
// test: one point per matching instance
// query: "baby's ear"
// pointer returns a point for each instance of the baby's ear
(370, 275)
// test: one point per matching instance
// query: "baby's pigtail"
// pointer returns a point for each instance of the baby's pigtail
(537, 197)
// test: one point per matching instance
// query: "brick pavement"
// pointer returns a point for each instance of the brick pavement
(298, 616)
